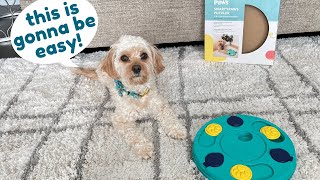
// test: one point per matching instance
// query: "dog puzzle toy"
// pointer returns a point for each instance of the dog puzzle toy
(249, 24)
(232, 52)
(243, 147)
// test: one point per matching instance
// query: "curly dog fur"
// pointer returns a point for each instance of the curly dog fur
(121, 63)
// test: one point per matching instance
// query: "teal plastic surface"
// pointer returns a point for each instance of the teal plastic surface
(243, 143)
(232, 52)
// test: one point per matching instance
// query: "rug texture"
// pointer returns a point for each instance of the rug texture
(55, 125)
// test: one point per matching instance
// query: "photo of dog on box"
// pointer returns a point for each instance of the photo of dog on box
(226, 46)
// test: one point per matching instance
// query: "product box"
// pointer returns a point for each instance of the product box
(241, 31)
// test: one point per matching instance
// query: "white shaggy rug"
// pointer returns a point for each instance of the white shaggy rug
(54, 125)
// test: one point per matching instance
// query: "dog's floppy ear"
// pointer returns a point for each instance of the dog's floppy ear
(108, 65)
(157, 60)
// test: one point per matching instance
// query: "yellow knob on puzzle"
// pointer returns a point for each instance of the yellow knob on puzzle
(241, 172)
(270, 132)
(213, 129)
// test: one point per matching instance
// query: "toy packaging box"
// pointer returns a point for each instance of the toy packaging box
(241, 31)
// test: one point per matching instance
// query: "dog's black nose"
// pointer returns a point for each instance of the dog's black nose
(136, 69)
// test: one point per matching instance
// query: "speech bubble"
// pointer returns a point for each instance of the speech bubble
(51, 31)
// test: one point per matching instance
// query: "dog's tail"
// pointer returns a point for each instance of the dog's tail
(90, 73)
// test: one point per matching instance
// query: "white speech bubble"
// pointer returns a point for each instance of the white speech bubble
(51, 31)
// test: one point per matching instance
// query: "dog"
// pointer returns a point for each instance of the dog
(220, 45)
(129, 71)
(227, 38)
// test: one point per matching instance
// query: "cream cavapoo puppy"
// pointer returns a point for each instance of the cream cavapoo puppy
(129, 71)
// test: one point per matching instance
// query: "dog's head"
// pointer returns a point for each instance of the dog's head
(227, 38)
(133, 61)
(222, 42)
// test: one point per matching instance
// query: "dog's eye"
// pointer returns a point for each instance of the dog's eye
(144, 56)
(124, 58)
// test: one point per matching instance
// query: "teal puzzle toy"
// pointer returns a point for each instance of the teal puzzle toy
(243, 147)
(232, 52)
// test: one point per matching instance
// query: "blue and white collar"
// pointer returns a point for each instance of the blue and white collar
(121, 90)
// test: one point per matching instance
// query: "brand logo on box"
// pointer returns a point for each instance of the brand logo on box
(221, 2)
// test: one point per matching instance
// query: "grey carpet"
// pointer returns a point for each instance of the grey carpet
(54, 125)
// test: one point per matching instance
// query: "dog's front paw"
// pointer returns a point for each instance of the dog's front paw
(144, 149)
(177, 132)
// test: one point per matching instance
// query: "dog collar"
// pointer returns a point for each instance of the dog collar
(121, 90)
